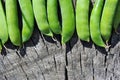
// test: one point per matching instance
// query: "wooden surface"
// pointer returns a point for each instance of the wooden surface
(45, 59)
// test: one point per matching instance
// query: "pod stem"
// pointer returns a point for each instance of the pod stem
(63, 43)
(107, 46)
(54, 39)
(5, 48)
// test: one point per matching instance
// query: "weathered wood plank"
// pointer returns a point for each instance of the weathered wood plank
(45, 59)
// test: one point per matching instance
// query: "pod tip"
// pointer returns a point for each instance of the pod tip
(62, 42)
(85, 39)
(50, 34)
(88, 40)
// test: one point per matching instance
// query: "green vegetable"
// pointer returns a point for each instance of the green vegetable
(27, 19)
(107, 18)
(52, 10)
(12, 21)
(82, 19)
(95, 23)
(68, 19)
(3, 26)
(117, 17)
(40, 13)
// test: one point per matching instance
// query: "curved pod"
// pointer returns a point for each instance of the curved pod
(107, 18)
(52, 11)
(95, 23)
(117, 17)
(12, 21)
(27, 19)
(82, 19)
(68, 19)
(3, 25)
(40, 13)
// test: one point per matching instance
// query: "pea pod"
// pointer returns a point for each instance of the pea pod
(40, 13)
(27, 19)
(107, 18)
(12, 21)
(3, 25)
(95, 23)
(68, 19)
(117, 17)
(82, 19)
(52, 9)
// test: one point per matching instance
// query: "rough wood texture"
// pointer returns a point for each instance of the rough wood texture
(45, 59)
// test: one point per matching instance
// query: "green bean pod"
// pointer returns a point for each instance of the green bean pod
(107, 18)
(27, 19)
(117, 17)
(12, 21)
(68, 19)
(52, 11)
(95, 23)
(82, 19)
(3, 25)
(40, 13)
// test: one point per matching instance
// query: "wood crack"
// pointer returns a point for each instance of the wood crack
(55, 63)
(93, 70)
(66, 73)
(5, 77)
(40, 70)
(24, 72)
(105, 64)
(35, 47)
(68, 49)
(42, 37)
(80, 64)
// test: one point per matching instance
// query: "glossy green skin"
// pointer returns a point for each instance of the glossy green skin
(40, 14)
(107, 18)
(95, 23)
(52, 11)
(27, 19)
(68, 19)
(3, 25)
(82, 19)
(117, 17)
(12, 21)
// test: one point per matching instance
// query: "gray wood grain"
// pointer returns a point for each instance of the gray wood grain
(45, 59)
